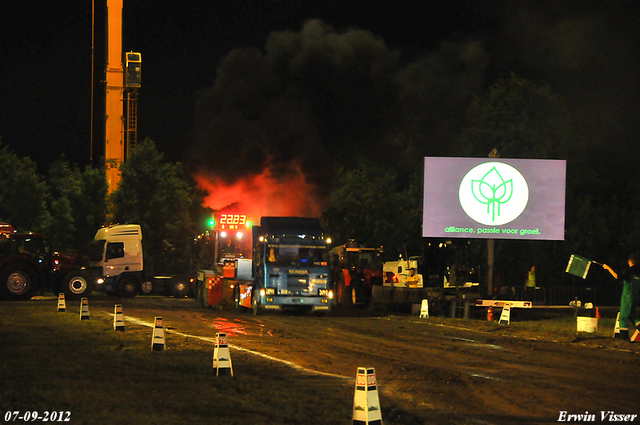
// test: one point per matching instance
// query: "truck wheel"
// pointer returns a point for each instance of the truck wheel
(127, 287)
(19, 282)
(77, 284)
(255, 302)
(358, 293)
(343, 293)
(179, 286)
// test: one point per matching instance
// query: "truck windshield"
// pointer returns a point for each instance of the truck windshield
(96, 250)
(366, 259)
(297, 255)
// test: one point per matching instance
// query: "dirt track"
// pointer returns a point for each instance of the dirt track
(438, 370)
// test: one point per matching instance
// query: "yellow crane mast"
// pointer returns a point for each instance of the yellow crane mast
(121, 112)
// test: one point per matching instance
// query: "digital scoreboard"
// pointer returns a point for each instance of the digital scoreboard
(230, 221)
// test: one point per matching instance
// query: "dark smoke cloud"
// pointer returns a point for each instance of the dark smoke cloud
(303, 99)
(321, 98)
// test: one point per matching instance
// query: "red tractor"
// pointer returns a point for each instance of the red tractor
(27, 267)
(355, 270)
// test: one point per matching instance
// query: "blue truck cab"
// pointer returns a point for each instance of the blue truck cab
(290, 267)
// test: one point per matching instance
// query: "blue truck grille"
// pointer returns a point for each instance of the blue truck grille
(298, 283)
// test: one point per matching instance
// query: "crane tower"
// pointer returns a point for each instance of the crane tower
(121, 96)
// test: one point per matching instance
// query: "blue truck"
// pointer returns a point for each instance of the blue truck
(289, 268)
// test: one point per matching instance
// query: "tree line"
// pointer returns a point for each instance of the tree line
(377, 203)
(69, 204)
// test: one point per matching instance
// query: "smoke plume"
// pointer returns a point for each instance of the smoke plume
(315, 100)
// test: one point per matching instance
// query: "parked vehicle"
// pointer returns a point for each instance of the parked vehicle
(117, 267)
(289, 268)
(27, 267)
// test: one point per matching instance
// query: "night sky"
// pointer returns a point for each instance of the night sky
(587, 51)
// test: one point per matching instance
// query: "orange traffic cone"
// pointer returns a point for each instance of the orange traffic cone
(490, 314)
(597, 313)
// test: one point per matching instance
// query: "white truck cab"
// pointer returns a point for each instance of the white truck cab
(118, 249)
(116, 253)
(396, 272)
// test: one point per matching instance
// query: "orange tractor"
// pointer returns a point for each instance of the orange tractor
(355, 270)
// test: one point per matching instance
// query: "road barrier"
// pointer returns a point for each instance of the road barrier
(366, 405)
(505, 316)
(84, 309)
(157, 340)
(616, 328)
(221, 356)
(118, 318)
(62, 305)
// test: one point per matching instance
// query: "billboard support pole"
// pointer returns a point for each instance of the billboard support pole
(491, 246)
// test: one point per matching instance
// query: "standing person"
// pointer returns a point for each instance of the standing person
(414, 280)
(630, 295)
(530, 285)
(229, 248)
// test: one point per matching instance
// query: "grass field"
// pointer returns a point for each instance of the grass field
(52, 361)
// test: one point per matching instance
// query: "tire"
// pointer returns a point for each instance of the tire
(77, 284)
(179, 286)
(343, 293)
(355, 296)
(19, 282)
(255, 303)
(127, 287)
(358, 293)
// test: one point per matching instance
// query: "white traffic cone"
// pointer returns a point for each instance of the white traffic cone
(118, 318)
(366, 405)
(505, 316)
(616, 328)
(62, 305)
(84, 309)
(221, 356)
(157, 342)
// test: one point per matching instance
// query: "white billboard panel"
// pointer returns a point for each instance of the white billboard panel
(494, 198)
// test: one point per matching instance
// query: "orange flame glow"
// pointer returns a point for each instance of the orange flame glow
(262, 195)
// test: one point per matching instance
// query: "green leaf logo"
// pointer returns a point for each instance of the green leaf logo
(493, 191)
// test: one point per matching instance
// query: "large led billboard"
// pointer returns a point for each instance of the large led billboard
(494, 198)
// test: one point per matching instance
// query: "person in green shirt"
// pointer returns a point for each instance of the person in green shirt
(530, 284)
(630, 296)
